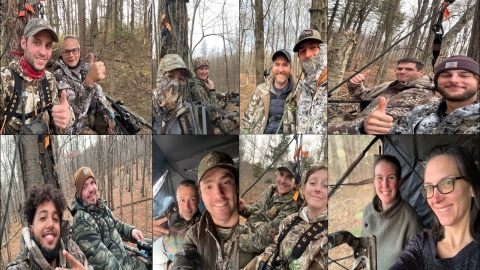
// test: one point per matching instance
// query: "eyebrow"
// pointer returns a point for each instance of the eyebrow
(226, 175)
(46, 211)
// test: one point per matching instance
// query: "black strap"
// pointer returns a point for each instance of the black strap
(282, 235)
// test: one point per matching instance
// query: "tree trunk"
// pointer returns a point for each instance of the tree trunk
(318, 17)
(177, 40)
(412, 47)
(259, 43)
(338, 55)
(474, 46)
(332, 20)
(94, 28)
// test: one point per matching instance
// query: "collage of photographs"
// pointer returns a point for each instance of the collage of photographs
(228, 135)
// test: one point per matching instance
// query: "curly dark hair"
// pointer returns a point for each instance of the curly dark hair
(39, 194)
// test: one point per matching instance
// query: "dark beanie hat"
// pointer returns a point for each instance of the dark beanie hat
(457, 62)
(80, 177)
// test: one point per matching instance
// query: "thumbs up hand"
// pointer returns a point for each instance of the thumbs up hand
(378, 122)
(61, 113)
(96, 72)
(359, 78)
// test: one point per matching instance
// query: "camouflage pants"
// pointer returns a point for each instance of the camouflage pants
(94, 124)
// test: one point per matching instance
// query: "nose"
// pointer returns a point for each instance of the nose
(454, 78)
(310, 53)
(218, 190)
(49, 222)
(437, 196)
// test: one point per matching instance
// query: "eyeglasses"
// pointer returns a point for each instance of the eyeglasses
(73, 51)
(444, 187)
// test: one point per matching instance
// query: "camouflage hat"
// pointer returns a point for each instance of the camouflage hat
(216, 159)
(36, 25)
(80, 177)
(306, 35)
(200, 62)
(174, 61)
(286, 165)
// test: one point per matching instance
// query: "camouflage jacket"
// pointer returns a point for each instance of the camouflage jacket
(429, 119)
(255, 118)
(203, 249)
(178, 228)
(313, 258)
(29, 259)
(79, 95)
(401, 97)
(264, 217)
(312, 101)
(99, 235)
(200, 92)
(32, 91)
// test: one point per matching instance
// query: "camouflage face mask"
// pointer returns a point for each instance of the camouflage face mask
(312, 65)
(169, 95)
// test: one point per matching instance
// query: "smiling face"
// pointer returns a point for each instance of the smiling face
(452, 209)
(281, 70)
(316, 192)
(458, 85)
(219, 193)
(45, 229)
(203, 73)
(285, 181)
(38, 49)
(69, 46)
(408, 72)
(89, 191)
(386, 183)
(187, 201)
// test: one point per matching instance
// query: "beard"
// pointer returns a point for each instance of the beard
(48, 254)
(466, 95)
(279, 79)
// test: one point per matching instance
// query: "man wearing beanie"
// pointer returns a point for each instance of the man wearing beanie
(41, 110)
(268, 111)
(218, 184)
(312, 90)
(412, 88)
(96, 231)
(457, 80)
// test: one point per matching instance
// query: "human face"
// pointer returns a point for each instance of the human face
(458, 85)
(316, 192)
(281, 70)
(285, 181)
(175, 74)
(219, 193)
(308, 50)
(203, 73)
(187, 202)
(386, 183)
(38, 49)
(71, 59)
(46, 227)
(452, 209)
(89, 191)
(408, 72)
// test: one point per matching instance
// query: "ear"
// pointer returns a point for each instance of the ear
(31, 229)
(422, 72)
(23, 43)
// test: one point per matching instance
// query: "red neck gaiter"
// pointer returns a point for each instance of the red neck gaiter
(29, 71)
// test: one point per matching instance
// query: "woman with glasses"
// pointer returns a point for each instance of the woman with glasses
(452, 190)
(390, 218)
(302, 241)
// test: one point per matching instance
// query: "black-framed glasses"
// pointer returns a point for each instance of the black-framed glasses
(444, 187)
(73, 51)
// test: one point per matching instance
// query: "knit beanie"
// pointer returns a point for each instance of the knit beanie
(80, 177)
(457, 62)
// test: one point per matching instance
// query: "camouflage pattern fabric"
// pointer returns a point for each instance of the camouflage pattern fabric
(255, 117)
(171, 62)
(32, 91)
(79, 95)
(312, 101)
(313, 258)
(178, 228)
(401, 97)
(200, 62)
(204, 250)
(264, 217)
(426, 120)
(106, 253)
(28, 260)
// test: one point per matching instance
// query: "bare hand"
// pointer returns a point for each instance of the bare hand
(73, 262)
(241, 204)
(137, 235)
(378, 122)
(110, 129)
(209, 84)
(96, 72)
(359, 78)
(159, 228)
(61, 113)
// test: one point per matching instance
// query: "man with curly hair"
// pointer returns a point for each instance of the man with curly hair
(46, 243)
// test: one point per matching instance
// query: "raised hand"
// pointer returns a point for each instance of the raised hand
(61, 113)
(378, 122)
(76, 265)
(96, 72)
(159, 227)
(359, 78)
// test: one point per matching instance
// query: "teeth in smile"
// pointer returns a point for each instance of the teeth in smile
(221, 204)
(443, 209)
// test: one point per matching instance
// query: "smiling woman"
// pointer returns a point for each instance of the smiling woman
(453, 242)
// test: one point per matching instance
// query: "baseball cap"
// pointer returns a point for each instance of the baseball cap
(216, 159)
(281, 52)
(288, 165)
(306, 35)
(174, 61)
(36, 25)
